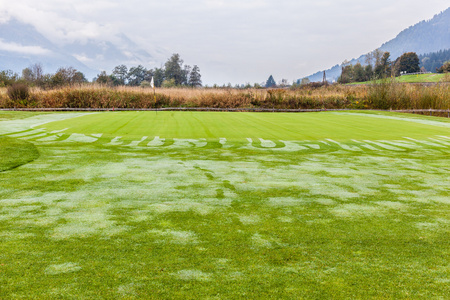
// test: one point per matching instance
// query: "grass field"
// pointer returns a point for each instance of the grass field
(418, 78)
(189, 205)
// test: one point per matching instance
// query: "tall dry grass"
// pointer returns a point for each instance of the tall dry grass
(384, 95)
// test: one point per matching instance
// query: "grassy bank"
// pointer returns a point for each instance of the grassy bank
(418, 78)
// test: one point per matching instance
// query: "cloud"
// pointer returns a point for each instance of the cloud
(31, 50)
(250, 39)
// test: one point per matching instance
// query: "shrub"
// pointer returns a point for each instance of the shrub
(18, 92)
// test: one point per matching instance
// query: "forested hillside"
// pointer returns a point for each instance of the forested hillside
(434, 60)
(424, 37)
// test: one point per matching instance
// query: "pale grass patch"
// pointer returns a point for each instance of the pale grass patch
(257, 240)
(427, 225)
(249, 219)
(267, 143)
(80, 138)
(351, 210)
(235, 276)
(115, 141)
(407, 119)
(72, 230)
(181, 206)
(285, 201)
(192, 274)
(176, 237)
(156, 142)
(127, 289)
(332, 190)
(285, 219)
(62, 268)
(392, 205)
(440, 199)
(221, 263)
(11, 126)
(188, 143)
(15, 235)
(325, 201)
(49, 138)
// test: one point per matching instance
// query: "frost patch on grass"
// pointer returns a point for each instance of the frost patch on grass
(426, 142)
(62, 268)
(285, 219)
(192, 275)
(427, 225)
(234, 276)
(437, 224)
(14, 235)
(331, 190)
(344, 146)
(156, 142)
(115, 141)
(34, 136)
(181, 206)
(50, 138)
(221, 263)
(27, 123)
(250, 219)
(325, 201)
(80, 138)
(187, 143)
(384, 146)
(136, 143)
(27, 133)
(72, 230)
(267, 143)
(440, 199)
(259, 241)
(313, 146)
(285, 201)
(351, 210)
(177, 237)
(392, 205)
(404, 144)
(415, 120)
(292, 146)
(127, 289)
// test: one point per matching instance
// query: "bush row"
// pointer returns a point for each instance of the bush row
(384, 95)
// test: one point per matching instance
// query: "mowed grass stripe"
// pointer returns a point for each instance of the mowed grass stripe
(237, 126)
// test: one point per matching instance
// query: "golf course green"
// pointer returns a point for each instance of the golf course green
(221, 205)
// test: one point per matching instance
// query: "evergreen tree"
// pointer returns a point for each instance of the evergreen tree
(195, 79)
(174, 69)
(270, 82)
(120, 74)
(383, 68)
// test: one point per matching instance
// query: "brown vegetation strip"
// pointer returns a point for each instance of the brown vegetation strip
(383, 96)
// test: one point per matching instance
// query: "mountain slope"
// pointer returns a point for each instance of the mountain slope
(424, 37)
(21, 45)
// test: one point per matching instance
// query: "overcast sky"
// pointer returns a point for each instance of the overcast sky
(234, 41)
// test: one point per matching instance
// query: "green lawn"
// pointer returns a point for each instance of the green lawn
(189, 205)
(433, 77)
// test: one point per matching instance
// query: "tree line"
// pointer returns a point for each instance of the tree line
(435, 61)
(173, 73)
(378, 66)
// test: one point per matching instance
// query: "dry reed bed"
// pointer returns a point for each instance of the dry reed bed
(379, 96)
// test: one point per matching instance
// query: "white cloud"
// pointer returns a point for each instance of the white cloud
(32, 50)
(232, 40)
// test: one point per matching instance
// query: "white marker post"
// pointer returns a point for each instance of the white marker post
(152, 84)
